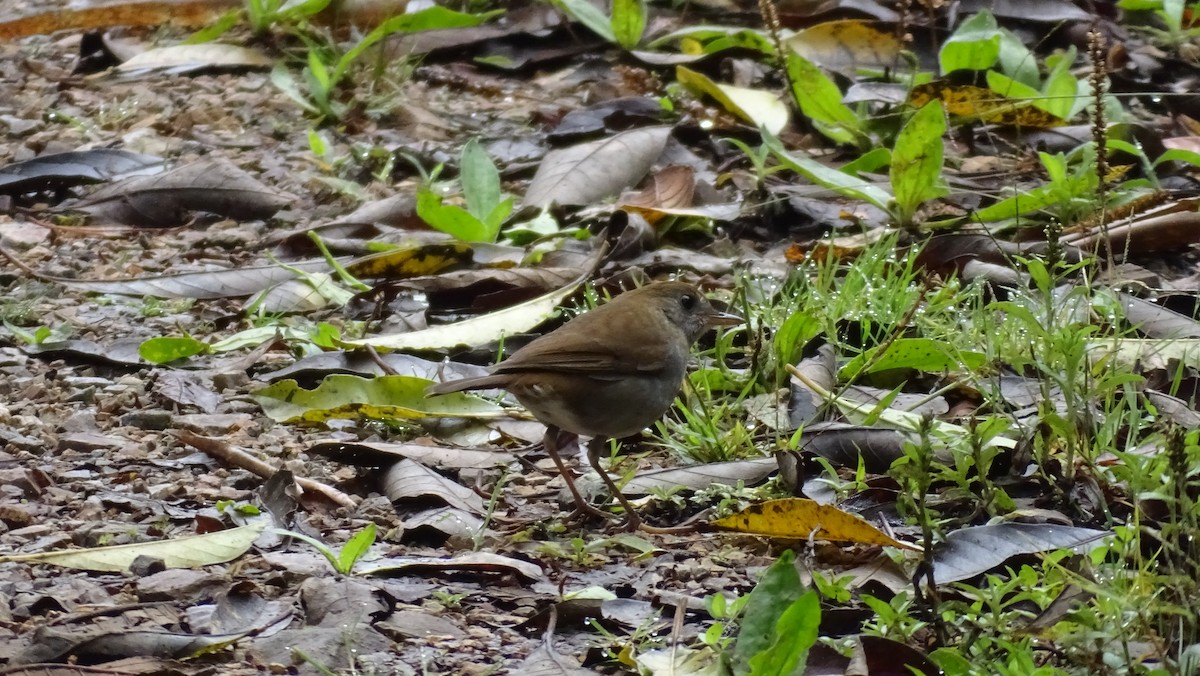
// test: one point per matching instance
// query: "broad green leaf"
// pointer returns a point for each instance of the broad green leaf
(718, 38)
(795, 633)
(869, 162)
(776, 591)
(793, 335)
(628, 22)
(828, 177)
(354, 549)
(495, 218)
(921, 354)
(589, 15)
(917, 161)
(1178, 155)
(480, 180)
(451, 219)
(1012, 89)
(975, 45)
(821, 100)
(1016, 61)
(383, 398)
(169, 348)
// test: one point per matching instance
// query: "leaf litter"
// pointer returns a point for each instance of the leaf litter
(98, 445)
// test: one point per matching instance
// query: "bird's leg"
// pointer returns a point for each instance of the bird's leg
(595, 446)
(551, 442)
(632, 520)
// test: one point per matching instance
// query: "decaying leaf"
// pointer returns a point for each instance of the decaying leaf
(801, 519)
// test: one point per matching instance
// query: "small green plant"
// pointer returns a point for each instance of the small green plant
(486, 205)
(38, 336)
(343, 559)
(779, 623)
(448, 599)
(326, 68)
(264, 15)
(624, 26)
(915, 168)
(1176, 32)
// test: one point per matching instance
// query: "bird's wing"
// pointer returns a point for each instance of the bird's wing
(589, 351)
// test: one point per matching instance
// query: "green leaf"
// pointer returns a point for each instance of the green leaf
(1177, 155)
(587, 14)
(868, 162)
(353, 550)
(776, 591)
(917, 161)
(795, 633)
(1016, 61)
(353, 397)
(282, 78)
(480, 180)
(167, 349)
(430, 18)
(820, 98)
(628, 22)
(828, 177)
(922, 354)
(975, 45)
(450, 219)
(793, 335)
(496, 217)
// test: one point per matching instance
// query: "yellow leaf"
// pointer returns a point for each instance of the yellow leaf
(758, 107)
(848, 45)
(969, 101)
(801, 519)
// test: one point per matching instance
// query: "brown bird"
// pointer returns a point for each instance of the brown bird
(606, 374)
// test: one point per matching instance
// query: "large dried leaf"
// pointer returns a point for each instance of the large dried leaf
(480, 562)
(213, 185)
(801, 519)
(190, 58)
(701, 476)
(412, 481)
(185, 552)
(477, 331)
(57, 171)
(972, 551)
(231, 283)
(848, 45)
(590, 172)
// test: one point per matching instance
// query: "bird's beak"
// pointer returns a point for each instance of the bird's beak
(724, 319)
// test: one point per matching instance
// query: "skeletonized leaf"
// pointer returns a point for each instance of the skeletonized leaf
(592, 171)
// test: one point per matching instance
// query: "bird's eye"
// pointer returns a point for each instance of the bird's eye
(688, 301)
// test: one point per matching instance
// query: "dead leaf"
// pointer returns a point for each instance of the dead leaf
(590, 172)
(801, 519)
